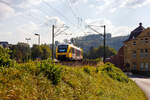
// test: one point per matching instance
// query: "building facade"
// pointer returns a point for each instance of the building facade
(118, 60)
(137, 50)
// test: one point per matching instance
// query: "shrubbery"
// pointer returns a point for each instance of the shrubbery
(86, 70)
(37, 80)
(51, 71)
(5, 57)
(115, 73)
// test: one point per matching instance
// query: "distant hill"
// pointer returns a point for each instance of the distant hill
(95, 40)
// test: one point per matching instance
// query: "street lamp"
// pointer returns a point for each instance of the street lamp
(38, 38)
(28, 39)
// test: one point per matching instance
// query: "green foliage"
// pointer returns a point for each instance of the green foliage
(94, 60)
(46, 52)
(29, 81)
(36, 52)
(97, 70)
(4, 57)
(51, 71)
(40, 52)
(114, 73)
(99, 52)
(20, 52)
(86, 70)
(23, 53)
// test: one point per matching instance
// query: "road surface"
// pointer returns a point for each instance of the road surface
(143, 83)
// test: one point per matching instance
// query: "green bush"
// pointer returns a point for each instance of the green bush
(51, 71)
(96, 70)
(114, 73)
(86, 70)
(5, 57)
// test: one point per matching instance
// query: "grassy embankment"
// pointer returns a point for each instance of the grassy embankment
(43, 81)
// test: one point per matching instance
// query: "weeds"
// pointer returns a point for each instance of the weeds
(115, 73)
(46, 81)
(51, 71)
(86, 70)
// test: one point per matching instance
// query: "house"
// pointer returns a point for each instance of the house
(137, 50)
(134, 55)
(118, 60)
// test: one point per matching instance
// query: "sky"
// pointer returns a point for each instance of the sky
(20, 19)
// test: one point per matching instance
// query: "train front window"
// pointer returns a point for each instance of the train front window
(62, 48)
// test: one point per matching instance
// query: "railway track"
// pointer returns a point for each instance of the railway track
(78, 63)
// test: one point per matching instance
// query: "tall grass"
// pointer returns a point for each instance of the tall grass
(45, 81)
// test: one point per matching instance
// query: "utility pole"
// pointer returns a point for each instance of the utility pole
(104, 36)
(53, 28)
(104, 43)
(54, 35)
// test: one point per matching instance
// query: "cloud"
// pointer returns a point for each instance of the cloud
(134, 3)
(113, 10)
(114, 5)
(20, 33)
(110, 28)
(24, 3)
(75, 2)
(5, 11)
(53, 21)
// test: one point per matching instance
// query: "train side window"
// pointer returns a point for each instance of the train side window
(73, 51)
(78, 53)
(70, 50)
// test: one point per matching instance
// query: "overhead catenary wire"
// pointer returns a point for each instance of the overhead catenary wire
(74, 13)
(89, 26)
(70, 6)
(57, 11)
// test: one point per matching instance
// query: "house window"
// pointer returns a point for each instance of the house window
(134, 54)
(148, 33)
(146, 66)
(141, 53)
(146, 40)
(134, 66)
(146, 52)
(134, 43)
(142, 67)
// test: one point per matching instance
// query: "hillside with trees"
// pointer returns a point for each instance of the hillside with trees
(95, 53)
(95, 40)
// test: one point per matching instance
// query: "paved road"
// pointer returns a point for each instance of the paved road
(143, 83)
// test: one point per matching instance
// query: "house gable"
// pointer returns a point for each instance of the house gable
(145, 33)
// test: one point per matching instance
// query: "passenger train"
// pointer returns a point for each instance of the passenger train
(68, 52)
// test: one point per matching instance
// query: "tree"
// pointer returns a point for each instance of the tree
(20, 52)
(46, 52)
(99, 52)
(4, 57)
(40, 52)
(36, 52)
(91, 54)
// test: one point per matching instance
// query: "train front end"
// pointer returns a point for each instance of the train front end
(62, 52)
